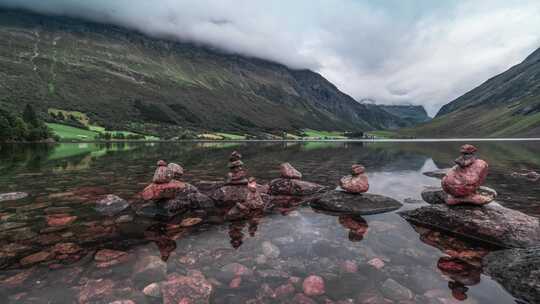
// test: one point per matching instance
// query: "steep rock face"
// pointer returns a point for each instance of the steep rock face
(520, 81)
(507, 105)
(131, 78)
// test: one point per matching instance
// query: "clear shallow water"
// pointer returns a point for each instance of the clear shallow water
(74, 175)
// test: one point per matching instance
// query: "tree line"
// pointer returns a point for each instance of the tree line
(25, 127)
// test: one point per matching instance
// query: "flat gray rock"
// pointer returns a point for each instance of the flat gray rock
(436, 195)
(357, 204)
(491, 223)
(517, 270)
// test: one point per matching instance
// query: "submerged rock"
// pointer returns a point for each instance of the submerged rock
(55, 220)
(517, 270)
(107, 258)
(111, 205)
(293, 187)
(313, 286)
(149, 269)
(492, 223)
(12, 196)
(358, 204)
(193, 288)
(395, 291)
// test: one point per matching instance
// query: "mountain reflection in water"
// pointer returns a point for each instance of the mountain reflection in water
(358, 257)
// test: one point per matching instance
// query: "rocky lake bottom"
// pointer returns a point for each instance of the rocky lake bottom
(56, 248)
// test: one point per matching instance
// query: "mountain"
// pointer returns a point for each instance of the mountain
(123, 79)
(410, 115)
(507, 105)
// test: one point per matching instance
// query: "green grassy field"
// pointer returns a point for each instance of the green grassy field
(323, 134)
(72, 133)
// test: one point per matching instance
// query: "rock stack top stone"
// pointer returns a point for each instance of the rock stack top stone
(161, 176)
(357, 182)
(237, 174)
(288, 171)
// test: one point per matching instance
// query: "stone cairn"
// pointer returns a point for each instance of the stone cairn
(164, 183)
(237, 174)
(357, 182)
(290, 183)
(462, 183)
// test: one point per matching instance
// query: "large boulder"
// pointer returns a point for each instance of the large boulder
(436, 195)
(230, 194)
(517, 270)
(357, 204)
(491, 223)
(293, 187)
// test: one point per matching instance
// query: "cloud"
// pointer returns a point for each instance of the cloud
(395, 51)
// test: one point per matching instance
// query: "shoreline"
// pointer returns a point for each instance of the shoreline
(290, 140)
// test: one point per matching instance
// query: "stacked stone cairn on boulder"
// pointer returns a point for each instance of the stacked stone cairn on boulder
(357, 182)
(237, 174)
(164, 184)
(168, 196)
(290, 183)
(463, 181)
(351, 197)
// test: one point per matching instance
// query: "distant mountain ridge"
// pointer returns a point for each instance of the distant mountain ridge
(125, 80)
(507, 105)
(411, 115)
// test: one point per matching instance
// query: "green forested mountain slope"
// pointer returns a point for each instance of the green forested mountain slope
(507, 105)
(122, 79)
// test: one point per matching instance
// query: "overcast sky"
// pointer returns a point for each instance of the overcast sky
(425, 52)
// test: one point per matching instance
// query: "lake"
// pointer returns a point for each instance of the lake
(361, 260)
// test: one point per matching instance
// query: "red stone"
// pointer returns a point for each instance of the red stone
(286, 170)
(313, 286)
(66, 248)
(284, 290)
(463, 181)
(107, 257)
(159, 191)
(56, 220)
(193, 288)
(35, 258)
(162, 174)
(355, 184)
(94, 290)
(235, 283)
(349, 266)
(468, 149)
(16, 280)
(376, 263)
(451, 265)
